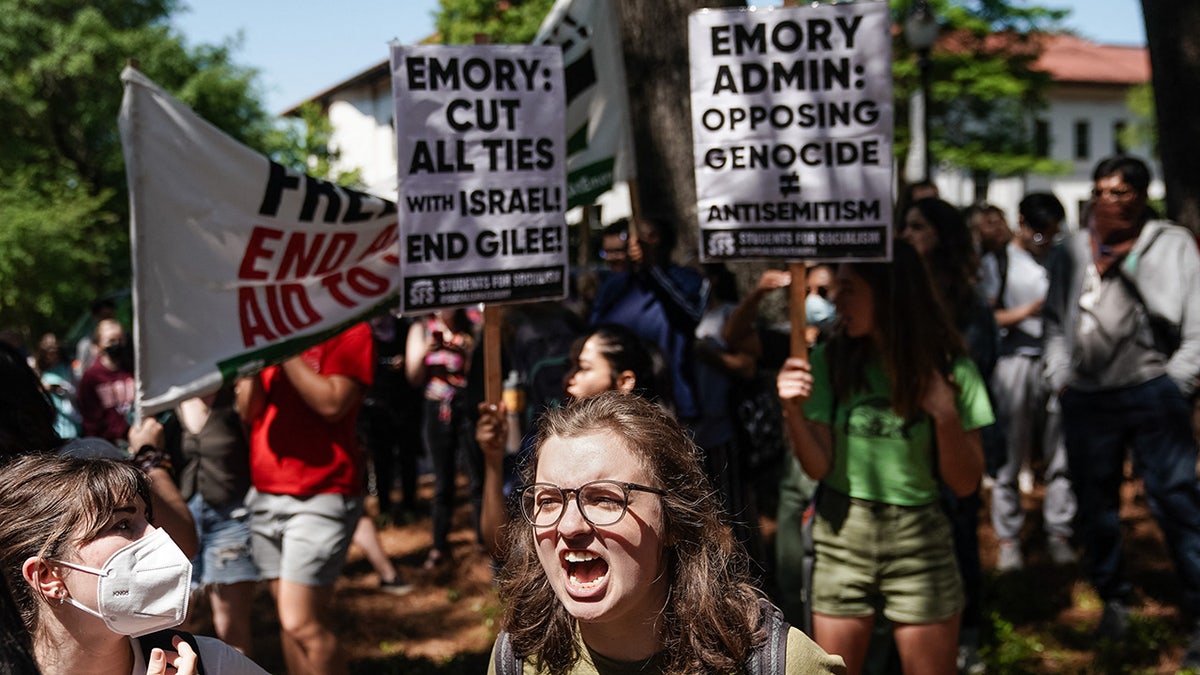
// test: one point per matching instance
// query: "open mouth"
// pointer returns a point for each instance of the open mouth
(585, 569)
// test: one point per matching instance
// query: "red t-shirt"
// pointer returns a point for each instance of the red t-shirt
(293, 450)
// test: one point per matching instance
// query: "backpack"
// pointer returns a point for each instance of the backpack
(769, 658)
(758, 423)
(162, 639)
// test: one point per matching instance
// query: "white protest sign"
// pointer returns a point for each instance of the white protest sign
(237, 261)
(482, 174)
(792, 131)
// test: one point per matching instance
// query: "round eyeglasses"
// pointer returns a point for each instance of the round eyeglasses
(601, 502)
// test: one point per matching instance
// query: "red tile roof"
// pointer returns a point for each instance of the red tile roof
(1073, 59)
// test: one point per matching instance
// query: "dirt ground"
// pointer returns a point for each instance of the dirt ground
(1042, 617)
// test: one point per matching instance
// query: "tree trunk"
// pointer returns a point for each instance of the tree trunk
(654, 38)
(1173, 35)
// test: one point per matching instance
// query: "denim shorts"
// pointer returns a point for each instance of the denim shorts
(303, 539)
(871, 555)
(224, 533)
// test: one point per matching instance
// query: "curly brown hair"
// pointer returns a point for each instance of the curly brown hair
(711, 621)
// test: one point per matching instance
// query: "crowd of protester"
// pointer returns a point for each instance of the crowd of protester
(654, 399)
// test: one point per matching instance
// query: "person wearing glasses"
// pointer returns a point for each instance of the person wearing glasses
(609, 357)
(1122, 327)
(640, 573)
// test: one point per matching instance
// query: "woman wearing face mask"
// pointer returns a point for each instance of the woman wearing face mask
(640, 574)
(865, 416)
(96, 584)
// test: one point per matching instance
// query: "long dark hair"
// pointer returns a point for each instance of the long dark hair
(917, 337)
(624, 350)
(26, 413)
(953, 262)
(16, 647)
(711, 621)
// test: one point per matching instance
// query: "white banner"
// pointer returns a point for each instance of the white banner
(599, 141)
(237, 262)
(482, 174)
(792, 131)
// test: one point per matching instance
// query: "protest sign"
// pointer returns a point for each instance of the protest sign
(792, 131)
(599, 142)
(482, 174)
(237, 261)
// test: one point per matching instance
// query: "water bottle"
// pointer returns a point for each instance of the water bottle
(514, 401)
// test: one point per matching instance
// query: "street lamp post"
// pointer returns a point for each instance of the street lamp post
(920, 32)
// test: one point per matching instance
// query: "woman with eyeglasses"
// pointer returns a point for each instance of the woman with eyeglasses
(879, 414)
(620, 560)
(607, 358)
(98, 587)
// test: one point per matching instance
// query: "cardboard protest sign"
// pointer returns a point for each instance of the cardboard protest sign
(792, 132)
(599, 142)
(482, 174)
(237, 261)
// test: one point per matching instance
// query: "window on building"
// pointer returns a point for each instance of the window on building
(1083, 141)
(1119, 147)
(1041, 138)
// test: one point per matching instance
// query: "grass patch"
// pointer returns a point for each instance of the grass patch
(1009, 651)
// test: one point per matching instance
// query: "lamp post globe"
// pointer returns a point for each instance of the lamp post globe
(920, 32)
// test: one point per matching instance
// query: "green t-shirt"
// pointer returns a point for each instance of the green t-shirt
(877, 455)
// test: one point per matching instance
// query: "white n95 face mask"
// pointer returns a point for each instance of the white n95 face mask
(143, 587)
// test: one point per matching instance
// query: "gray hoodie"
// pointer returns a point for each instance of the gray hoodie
(1164, 267)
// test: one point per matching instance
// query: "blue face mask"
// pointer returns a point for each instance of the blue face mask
(820, 312)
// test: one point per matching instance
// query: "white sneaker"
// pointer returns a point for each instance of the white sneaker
(1025, 480)
(1060, 551)
(1010, 558)
(969, 662)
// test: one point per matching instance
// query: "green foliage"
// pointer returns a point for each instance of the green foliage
(1010, 652)
(62, 176)
(1140, 651)
(510, 22)
(42, 247)
(303, 145)
(1143, 131)
(983, 86)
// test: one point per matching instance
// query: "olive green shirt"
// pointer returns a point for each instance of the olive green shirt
(804, 657)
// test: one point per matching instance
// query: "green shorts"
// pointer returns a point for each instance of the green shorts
(871, 555)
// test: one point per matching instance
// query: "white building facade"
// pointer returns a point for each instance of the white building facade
(1086, 108)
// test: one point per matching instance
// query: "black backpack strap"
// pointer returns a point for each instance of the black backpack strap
(770, 658)
(162, 639)
(506, 661)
